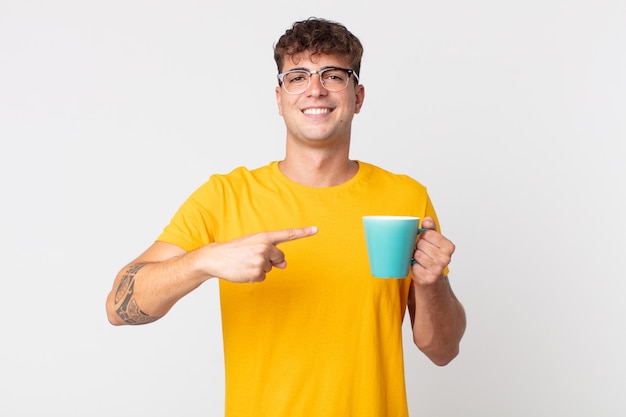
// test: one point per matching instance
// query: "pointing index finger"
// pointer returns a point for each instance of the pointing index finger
(280, 236)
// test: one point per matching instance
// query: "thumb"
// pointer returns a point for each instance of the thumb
(280, 265)
(429, 223)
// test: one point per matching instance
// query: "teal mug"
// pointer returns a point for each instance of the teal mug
(390, 242)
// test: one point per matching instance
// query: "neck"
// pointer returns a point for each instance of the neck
(318, 169)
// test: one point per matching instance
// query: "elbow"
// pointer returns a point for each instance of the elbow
(441, 348)
(113, 318)
(111, 312)
(114, 321)
(444, 358)
(439, 354)
(118, 316)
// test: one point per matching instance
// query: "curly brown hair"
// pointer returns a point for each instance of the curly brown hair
(319, 36)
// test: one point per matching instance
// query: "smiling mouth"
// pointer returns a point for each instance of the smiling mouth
(317, 111)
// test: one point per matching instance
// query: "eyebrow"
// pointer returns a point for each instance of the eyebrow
(306, 69)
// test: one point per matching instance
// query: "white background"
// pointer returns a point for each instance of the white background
(513, 113)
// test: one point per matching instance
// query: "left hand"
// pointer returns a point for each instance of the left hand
(433, 253)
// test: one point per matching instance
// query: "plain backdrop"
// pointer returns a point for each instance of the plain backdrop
(513, 113)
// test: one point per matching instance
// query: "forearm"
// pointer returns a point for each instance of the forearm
(148, 287)
(145, 291)
(438, 321)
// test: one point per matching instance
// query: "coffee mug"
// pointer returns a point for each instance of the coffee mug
(390, 244)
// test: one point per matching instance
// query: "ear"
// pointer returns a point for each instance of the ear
(279, 101)
(360, 96)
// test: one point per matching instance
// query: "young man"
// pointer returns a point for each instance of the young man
(318, 336)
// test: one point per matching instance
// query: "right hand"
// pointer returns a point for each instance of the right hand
(251, 257)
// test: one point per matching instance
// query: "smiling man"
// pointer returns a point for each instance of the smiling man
(307, 330)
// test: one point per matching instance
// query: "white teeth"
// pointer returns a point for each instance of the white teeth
(316, 111)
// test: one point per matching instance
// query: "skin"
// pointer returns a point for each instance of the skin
(147, 288)
(437, 317)
(318, 131)
(318, 144)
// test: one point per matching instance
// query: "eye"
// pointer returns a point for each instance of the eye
(335, 76)
(296, 77)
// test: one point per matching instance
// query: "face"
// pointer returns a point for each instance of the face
(317, 116)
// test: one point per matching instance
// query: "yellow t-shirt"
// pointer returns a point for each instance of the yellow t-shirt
(321, 337)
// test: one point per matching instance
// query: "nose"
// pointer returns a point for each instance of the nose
(315, 86)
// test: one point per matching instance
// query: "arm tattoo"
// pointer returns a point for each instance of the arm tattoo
(129, 310)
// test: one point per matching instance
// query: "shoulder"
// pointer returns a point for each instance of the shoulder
(238, 176)
(378, 174)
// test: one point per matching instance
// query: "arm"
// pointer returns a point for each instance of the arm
(147, 288)
(437, 317)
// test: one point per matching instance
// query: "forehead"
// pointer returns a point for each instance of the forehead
(312, 61)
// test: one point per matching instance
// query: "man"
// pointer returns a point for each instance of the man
(317, 336)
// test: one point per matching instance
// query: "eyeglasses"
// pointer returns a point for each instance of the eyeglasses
(333, 79)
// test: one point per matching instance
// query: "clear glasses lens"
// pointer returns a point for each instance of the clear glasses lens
(296, 82)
